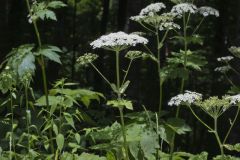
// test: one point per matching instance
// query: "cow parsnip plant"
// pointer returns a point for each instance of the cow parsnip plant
(117, 42)
(160, 23)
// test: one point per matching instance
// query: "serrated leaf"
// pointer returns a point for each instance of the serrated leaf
(56, 4)
(51, 52)
(121, 103)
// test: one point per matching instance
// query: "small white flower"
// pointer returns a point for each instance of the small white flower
(207, 11)
(169, 26)
(182, 8)
(7, 67)
(225, 59)
(151, 9)
(118, 40)
(222, 69)
(187, 97)
(137, 18)
(234, 99)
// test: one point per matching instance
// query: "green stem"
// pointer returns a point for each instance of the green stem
(146, 27)
(159, 70)
(127, 71)
(232, 124)
(200, 120)
(42, 64)
(121, 109)
(12, 143)
(108, 82)
(217, 137)
(198, 26)
(27, 117)
(124, 134)
(172, 144)
(146, 47)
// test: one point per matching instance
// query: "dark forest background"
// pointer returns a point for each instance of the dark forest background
(85, 20)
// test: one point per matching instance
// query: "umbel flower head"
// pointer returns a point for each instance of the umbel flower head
(234, 100)
(214, 106)
(207, 11)
(151, 9)
(135, 54)
(222, 69)
(118, 41)
(235, 51)
(225, 59)
(169, 26)
(87, 58)
(148, 12)
(186, 98)
(182, 8)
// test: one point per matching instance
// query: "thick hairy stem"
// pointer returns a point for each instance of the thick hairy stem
(121, 109)
(217, 137)
(172, 144)
(43, 68)
(159, 47)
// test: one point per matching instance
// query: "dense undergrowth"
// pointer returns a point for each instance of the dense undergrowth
(64, 123)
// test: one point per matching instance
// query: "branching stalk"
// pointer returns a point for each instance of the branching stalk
(231, 125)
(43, 68)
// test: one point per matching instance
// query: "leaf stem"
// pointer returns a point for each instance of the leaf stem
(100, 73)
(232, 124)
(127, 71)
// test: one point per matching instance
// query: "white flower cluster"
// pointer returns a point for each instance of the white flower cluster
(225, 59)
(234, 99)
(182, 8)
(137, 18)
(87, 58)
(151, 9)
(118, 40)
(207, 11)
(169, 26)
(222, 69)
(188, 97)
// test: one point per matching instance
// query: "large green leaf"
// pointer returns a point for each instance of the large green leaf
(87, 156)
(60, 141)
(51, 52)
(178, 125)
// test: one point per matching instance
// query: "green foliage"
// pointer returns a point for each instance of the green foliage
(43, 10)
(225, 157)
(87, 156)
(121, 103)
(235, 147)
(60, 141)
(50, 52)
(214, 106)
